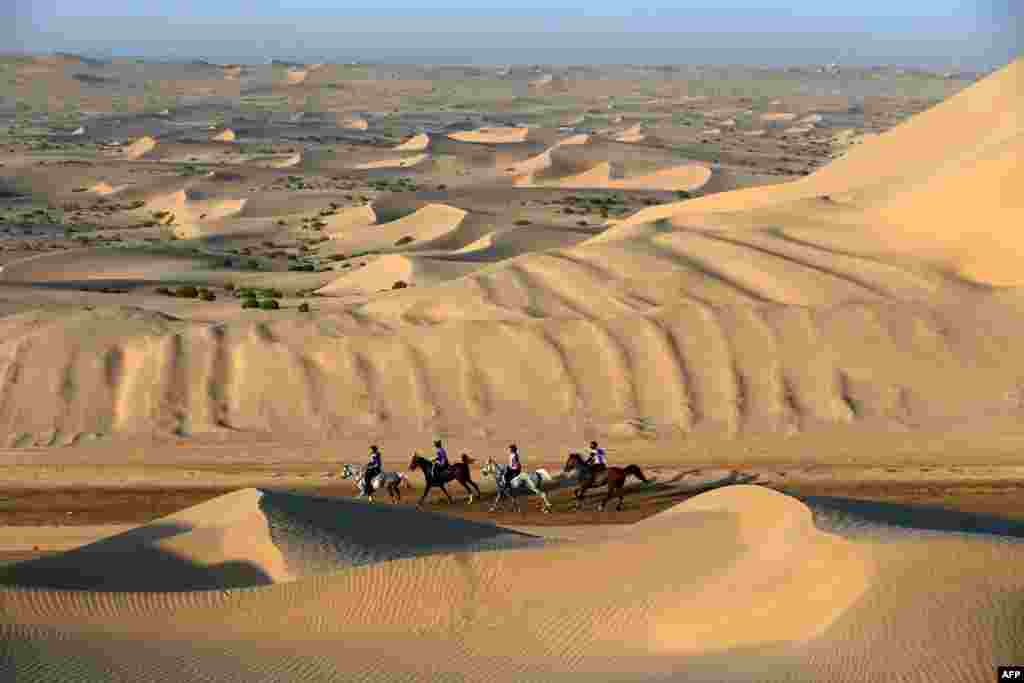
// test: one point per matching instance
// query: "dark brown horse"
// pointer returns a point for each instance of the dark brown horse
(590, 476)
(459, 471)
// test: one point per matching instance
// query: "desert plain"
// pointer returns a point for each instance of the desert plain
(791, 296)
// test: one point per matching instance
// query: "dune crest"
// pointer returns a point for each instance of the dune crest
(768, 593)
(417, 143)
(491, 136)
(226, 135)
(139, 148)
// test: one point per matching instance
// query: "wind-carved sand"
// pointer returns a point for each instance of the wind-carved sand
(855, 296)
(416, 143)
(140, 148)
(769, 594)
(492, 136)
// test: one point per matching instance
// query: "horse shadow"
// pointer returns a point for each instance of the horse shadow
(671, 489)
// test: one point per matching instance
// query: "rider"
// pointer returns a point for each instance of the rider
(515, 466)
(596, 458)
(440, 460)
(373, 468)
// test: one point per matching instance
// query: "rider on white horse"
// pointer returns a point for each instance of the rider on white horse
(596, 455)
(373, 468)
(515, 466)
(440, 460)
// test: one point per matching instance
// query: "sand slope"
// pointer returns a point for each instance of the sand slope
(491, 136)
(769, 596)
(836, 299)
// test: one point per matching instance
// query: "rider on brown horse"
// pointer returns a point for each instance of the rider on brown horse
(440, 460)
(597, 460)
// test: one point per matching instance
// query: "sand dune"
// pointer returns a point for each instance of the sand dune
(189, 209)
(384, 271)
(423, 225)
(736, 312)
(355, 124)
(778, 116)
(296, 76)
(226, 135)
(287, 162)
(631, 134)
(491, 136)
(103, 264)
(139, 148)
(417, 143)
(104, 188)
(852, 611)
(688, 177)
(401, 162)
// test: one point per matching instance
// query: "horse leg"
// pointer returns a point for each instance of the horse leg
(448, 495)
(424, 496)
(468, 490)
(607, 497)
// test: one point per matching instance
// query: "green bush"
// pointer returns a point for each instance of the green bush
(207, 295)
(404, 240)
(164, 290)
(270, 305)
(303, 307)
(187, 292)
(522, 221)
(230, 286)
(250, 303)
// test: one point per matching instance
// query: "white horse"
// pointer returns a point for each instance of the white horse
(522, 483)
(388, 480)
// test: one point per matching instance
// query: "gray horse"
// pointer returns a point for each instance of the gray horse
(384, 480)
(524, 483)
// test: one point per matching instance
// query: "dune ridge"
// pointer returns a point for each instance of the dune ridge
(759, 549)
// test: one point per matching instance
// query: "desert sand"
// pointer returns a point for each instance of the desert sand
(214, 582)
(738, 332)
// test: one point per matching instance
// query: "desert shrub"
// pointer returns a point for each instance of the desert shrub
(250, 303)
(582, 224)
(164, 290)
(271, 293)
(303, 307)
(404, 240)
(254, 264)
(269, 305)
(207, 295)
(399, 285)
(522, 221)
(302, 267)
(230, 286)
(187, 292)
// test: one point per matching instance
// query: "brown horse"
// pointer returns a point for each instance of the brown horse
(590, 476)
(459, 471)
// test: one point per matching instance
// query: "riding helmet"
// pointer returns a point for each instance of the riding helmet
(374, 449)
(437, 443)
(513, 447)
(593, 444)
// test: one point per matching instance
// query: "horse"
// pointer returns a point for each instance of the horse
(530, 482)
(388, 480)
(458, 471)
(587, 475)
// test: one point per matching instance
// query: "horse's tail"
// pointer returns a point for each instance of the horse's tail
(635, 471)
(544, 475)
(466, 460)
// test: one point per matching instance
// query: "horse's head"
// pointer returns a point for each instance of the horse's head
(572, 462)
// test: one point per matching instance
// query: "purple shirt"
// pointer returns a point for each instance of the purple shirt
(513, 462)
(442, 457)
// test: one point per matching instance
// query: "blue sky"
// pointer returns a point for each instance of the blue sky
(927, 32)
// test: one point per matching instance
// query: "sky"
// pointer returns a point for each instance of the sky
(930, 33)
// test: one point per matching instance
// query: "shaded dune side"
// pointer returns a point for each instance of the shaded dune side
(768, 597)
(690, 366)
(251, 538)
